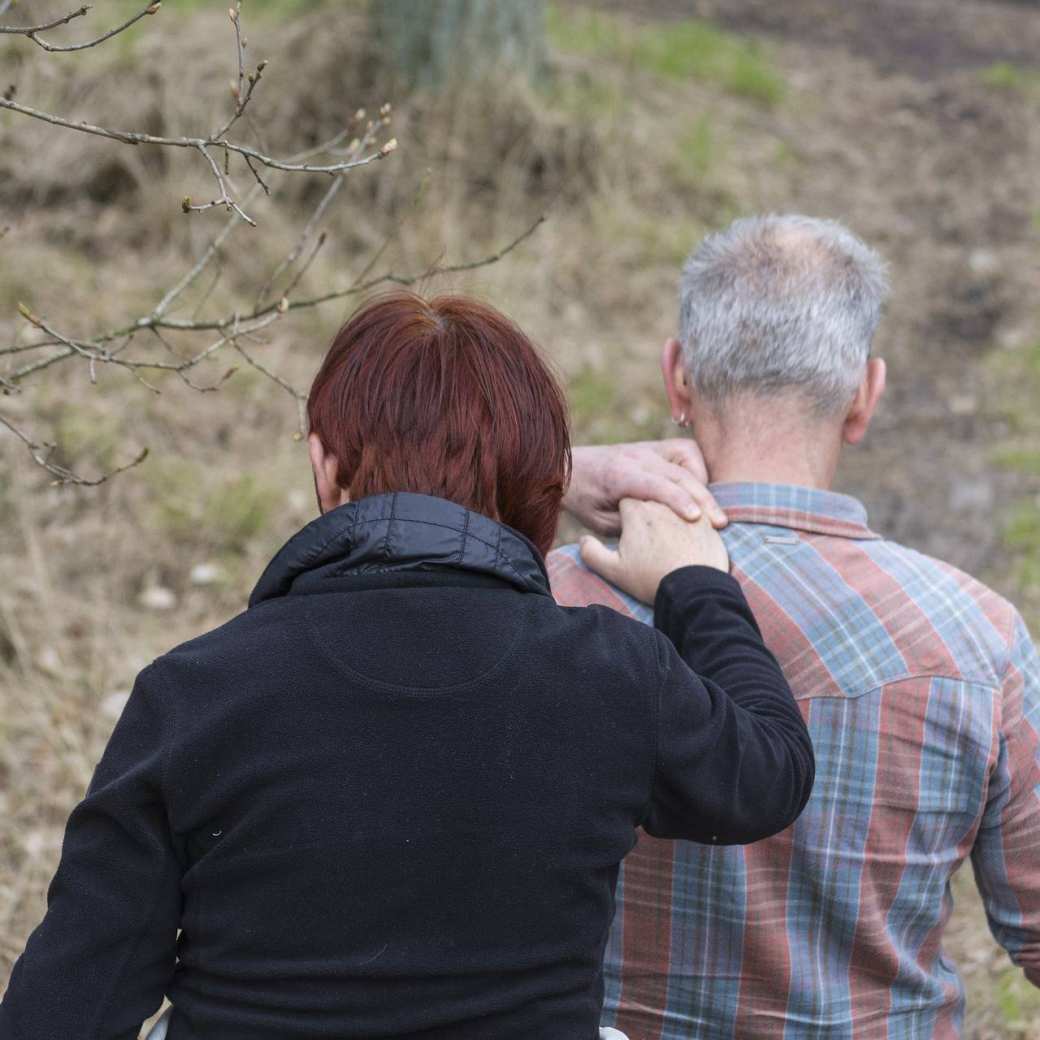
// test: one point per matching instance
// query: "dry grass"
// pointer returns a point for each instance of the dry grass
(632, 163)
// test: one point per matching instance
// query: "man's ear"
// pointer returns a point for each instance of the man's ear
(865, 403)
(326, 473)
(676, 382)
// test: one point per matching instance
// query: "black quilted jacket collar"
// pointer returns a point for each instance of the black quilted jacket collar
(400, 532)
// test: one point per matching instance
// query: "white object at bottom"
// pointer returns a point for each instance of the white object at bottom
(158, 1031)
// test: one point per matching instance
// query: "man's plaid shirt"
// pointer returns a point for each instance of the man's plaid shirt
(921, 690)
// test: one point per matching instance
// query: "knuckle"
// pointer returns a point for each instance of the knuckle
(613, 470)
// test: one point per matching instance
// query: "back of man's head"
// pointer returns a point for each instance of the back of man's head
(779, 304)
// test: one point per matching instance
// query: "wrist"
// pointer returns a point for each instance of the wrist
(691, 581)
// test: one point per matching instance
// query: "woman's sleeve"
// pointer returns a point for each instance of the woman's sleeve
(734, 759)
(98, 964)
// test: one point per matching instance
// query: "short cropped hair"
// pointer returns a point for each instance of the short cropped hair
(778, 303)
(445, 397)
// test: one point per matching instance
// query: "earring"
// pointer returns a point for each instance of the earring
(681, 421)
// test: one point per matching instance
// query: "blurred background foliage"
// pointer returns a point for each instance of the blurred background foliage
(635, 127)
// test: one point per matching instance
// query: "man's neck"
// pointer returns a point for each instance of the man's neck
(775, 470)
(785, 452)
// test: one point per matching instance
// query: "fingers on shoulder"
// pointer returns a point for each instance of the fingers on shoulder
(598, 558)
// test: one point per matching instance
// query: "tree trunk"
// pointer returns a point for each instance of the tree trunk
(431, 42)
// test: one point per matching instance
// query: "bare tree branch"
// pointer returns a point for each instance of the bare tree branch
(294, 253)
(94, 352)
(135, 138)
(203, 262)
(41, 455)
(236, 20)
(356, 147)
(28, 30)
(225, 199)
(31, 31)
(181, 311)
(305, 266)
(242, 91)
(262, 315)
(241, 99)
(411, 279)
(232, 328)
(256, 175)
(154, 320)
(298, 397)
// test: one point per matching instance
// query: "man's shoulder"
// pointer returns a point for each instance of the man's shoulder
(574, 585)
(942, 588)
(914, 613)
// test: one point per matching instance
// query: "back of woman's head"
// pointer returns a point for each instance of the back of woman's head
(445, 397)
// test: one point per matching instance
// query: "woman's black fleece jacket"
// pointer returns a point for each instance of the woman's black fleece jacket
(391, 797)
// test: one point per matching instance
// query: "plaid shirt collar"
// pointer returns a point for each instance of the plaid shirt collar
(802, 508)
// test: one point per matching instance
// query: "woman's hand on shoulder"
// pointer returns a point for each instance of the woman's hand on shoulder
(654, 542)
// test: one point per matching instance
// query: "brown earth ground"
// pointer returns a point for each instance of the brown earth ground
(915, 121)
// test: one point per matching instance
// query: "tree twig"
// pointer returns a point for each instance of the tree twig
(241, 99)
(32, 31)
(133, 137)
(294, 253)
(298, 397)
(236, 20)
(41, 455)
(225, 199)
(242, 91)
(263, 315)
(28, 30)
(210, 251)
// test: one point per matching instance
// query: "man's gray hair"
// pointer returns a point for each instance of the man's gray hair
(776, 303)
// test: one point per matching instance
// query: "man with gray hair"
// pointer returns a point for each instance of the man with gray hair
(920, 686)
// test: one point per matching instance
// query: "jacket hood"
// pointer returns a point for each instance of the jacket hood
(400, 532)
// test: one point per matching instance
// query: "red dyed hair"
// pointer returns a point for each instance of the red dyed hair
(445, 397)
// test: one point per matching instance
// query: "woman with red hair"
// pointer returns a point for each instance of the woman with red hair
(391, 797)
